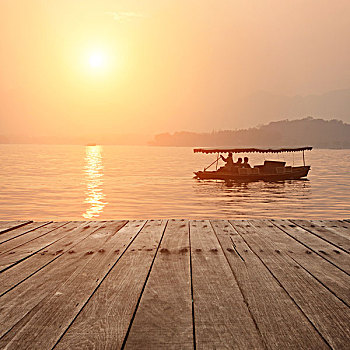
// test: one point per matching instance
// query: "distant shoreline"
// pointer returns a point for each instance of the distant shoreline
(154, 146)
(319, 133)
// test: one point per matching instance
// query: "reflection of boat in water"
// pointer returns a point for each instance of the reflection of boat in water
(269, 171)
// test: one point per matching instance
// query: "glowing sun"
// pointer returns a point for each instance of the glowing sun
(97, 60)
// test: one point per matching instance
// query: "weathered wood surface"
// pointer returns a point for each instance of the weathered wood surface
(338, 226)
(164, 315)
(6, 226)
(327, 233)
(324, 310)
(105, 320)
(317, 245)
(281, 324)
(222, 318)
(175, 284)
(24, 229)
(25, 269)
(27, 295)
(21, 247)
(334, 276)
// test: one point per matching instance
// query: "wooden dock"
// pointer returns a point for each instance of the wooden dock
(175, 284)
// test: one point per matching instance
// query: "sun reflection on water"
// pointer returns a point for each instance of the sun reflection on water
(93, 170)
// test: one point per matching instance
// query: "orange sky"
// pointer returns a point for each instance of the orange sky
(170, 65)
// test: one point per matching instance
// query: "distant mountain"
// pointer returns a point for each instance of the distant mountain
(319, 133)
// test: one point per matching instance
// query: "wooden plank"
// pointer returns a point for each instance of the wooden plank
(280, 322)
(325, 311)
(333, 238)
(222, 318)
(78, 231)
(45, 236)
(20, 241)
(317, 245)
(27, 237)
(328, 274)
(12, 225)
(51, 318)
(6, 236)
(22, 300)
(339, 227)
(164, 316)
(104, 321)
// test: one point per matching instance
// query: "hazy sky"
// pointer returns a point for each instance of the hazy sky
(77, 67)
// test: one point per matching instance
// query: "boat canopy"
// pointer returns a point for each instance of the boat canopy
(250, 150)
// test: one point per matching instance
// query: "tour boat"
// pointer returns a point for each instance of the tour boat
(269, 171)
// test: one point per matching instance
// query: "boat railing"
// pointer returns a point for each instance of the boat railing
(248, 171)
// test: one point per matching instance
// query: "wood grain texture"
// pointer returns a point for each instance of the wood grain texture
(27, 268)
(329, 316)
(104, 321)
(30, 236)
(113, 285)
(328, 274)
(222, 318)
(6, 226)
(317, 245)
(22, 230)
(280, 322)
(54, 314)
(23, 246)
(339, 227)
(163, 319)
(325, 233)
(23, 299)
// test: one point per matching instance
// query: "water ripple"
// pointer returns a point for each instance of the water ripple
(114, 182)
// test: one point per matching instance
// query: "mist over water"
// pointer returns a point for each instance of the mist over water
(130, 182)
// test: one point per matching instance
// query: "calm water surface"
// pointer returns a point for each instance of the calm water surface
(112, 182)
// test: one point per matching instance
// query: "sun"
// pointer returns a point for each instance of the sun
(97, 60)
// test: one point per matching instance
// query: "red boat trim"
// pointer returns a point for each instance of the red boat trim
(250, 150)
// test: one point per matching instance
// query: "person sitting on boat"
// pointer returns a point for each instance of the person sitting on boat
(246, 163)
(229, 160)
(239, 163)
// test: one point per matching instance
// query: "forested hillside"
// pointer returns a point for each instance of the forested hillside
(308, 131)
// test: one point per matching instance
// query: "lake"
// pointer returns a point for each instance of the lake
(64, 182)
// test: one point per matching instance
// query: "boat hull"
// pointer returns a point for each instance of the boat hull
(295, 174)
